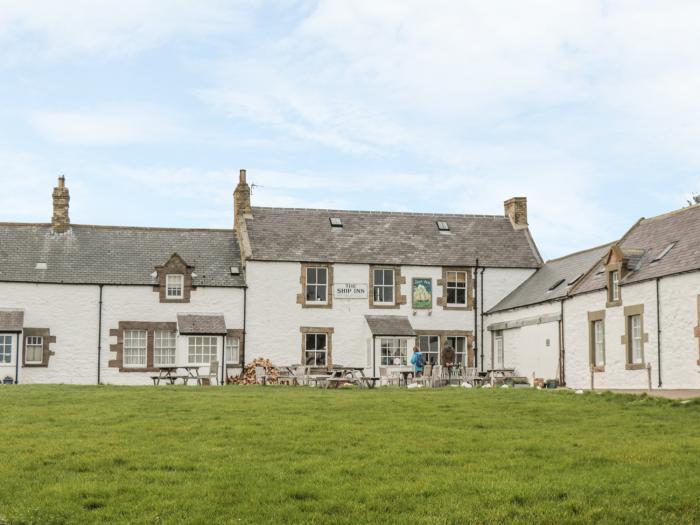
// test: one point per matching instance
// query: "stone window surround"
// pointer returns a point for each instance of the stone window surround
(241, 345)
(697, 330)
(175, 265)
(444, 334)
(150, 329)
(399, 280)
(329, 342)
(626, 339)
(301, 298)
(592, 318)
(442, 301)
(47, 340)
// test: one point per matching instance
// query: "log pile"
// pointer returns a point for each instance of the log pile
(247, 377)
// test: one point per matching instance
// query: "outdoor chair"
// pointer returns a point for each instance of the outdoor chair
(470, 375)
(386, 376)
(260, 375)
(301, 373)
(211, 376)
(436, 376)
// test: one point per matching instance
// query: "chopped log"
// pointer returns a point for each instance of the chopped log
(248, 376)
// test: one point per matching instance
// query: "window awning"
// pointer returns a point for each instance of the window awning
(11, 320)
(201, 324)
(393, 325)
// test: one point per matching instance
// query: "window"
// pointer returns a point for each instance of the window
(165, 348)
(317, 285)
(34, 348)
(336, 222)
(598, 343)
(556, 285)
(498, 349)
(575, 279)
(174, 286)
(460, 346)
(201, 350)
(233, 346)
(614, 286)
(635, 339)
(456, 288)
(394, 351)
(430, 346)
(135, 349)
(664, 252)
(315, 349)
(5, 348)
(443, 226)
(383, 289)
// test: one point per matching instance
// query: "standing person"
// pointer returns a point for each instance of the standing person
(418, 361)
(448, 358)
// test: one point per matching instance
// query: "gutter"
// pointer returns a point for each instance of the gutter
(658, 329)
(99, 338)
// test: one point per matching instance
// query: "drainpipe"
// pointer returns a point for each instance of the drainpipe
(658, 328)
(374, 357)
(562, 349)
(99, 337)
(223, 360)
(245, 328)
(476, 309)
(482, 318)
(19, 334)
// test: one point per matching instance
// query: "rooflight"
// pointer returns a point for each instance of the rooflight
(664, 252)
(443, 226)
(556, 285)
(336, 222)
(42, 266)
(577, 279)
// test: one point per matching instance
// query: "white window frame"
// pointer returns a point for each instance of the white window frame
(636, 356)
(430, 356)
(133, 343)
(233, 344)
(196, 346)
(455, 341)
(383, 288)
(392, 348)
(164, 341)
(598, 343)
(615, 285)
(499, 350)
(34, 342)
(6, 343)
(177, 288)
(453, 284)
(315, 285)
(315, 350)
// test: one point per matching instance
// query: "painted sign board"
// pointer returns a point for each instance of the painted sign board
(422, 293)
(350, 291)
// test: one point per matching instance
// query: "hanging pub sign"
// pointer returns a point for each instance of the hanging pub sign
(422, 293)
(350, 291)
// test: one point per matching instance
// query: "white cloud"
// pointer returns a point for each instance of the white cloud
(105, 126)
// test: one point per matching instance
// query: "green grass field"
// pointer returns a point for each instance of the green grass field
(300, 455)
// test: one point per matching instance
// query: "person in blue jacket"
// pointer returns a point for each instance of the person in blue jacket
(418, 361)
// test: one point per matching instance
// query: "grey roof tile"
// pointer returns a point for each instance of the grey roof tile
(394, 325)
(11, 320)
(299, 235)
(536, 289)
(201, 324)
(114, 254)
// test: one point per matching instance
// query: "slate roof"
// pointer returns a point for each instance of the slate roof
(565, 270)
(394, 325)
(647, 239)
(11, 320)
(367, 237)
(114, 254)
(201, 324)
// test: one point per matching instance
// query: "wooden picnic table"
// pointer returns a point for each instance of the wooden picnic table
(341, 375)
(169, 373)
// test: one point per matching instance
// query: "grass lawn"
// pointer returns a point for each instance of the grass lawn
(302, 455)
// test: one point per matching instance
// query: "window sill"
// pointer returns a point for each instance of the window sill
(316, 305)
(639, 366)
(35, 365)
(598, 369)
(459, 307)
(384, 306)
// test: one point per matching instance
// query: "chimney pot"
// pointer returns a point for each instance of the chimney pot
(242, 177)
(516, 211)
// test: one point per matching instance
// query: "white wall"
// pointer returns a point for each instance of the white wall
(679, 352)
(525, 348)
(274, 317)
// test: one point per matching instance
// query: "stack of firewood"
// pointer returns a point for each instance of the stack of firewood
(248, 376)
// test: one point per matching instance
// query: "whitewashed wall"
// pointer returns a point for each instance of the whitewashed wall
(526, 348)
(274, 317)
(70, 312)
(679, 351)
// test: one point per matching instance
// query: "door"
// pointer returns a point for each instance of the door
(7, 357)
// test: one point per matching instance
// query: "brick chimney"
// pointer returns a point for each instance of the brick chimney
(241, 199)
(60, 221)
(516, 211)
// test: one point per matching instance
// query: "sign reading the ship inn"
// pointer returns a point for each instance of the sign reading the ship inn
(350, 291)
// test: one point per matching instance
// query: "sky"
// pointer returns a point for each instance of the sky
(589, 108)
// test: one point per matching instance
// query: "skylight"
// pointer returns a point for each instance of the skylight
(576, 279)
(556, 285)
(336, 222)
(443, 226)
(663, 253)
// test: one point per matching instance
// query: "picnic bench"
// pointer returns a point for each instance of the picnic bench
(170, 374)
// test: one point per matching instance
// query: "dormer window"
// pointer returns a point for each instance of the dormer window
(174, 286)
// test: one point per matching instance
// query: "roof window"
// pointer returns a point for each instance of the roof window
(663, 253)
(556, 285)
(336, 222)
(576, 279)
(443, 226)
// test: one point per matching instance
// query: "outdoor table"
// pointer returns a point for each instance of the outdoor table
(350, 374)
(404, 371)
(169, 373)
